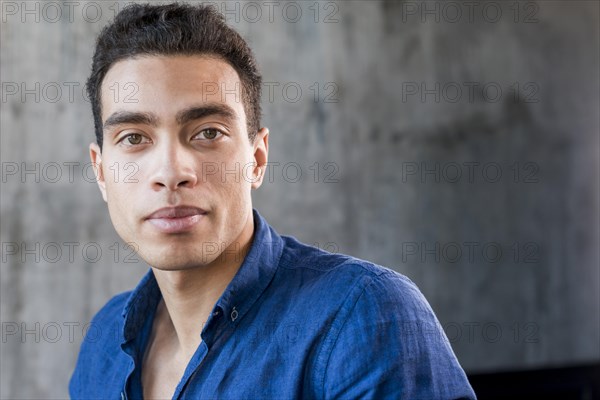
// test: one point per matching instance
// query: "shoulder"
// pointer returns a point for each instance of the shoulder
(298, 255)
(113, 309)
(382, 339)
(363, 277)
(105, 328)
(100, 346)
(108, 321)
(355, 292)
(99, 351)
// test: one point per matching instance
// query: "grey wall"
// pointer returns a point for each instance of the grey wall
(536, 304)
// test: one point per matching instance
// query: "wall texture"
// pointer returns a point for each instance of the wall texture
(457, 144)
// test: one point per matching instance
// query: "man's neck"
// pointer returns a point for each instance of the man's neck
(190, 295)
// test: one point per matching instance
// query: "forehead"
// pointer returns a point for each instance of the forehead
(167, 84)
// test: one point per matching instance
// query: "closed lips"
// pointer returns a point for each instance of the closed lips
(176, 212)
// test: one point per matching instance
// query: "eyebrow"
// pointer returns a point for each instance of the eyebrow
(130, 117)
(197, 112)
(182, 117)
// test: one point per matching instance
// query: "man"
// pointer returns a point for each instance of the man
(229, 308)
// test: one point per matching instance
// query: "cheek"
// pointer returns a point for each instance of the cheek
(121, 196)
(230, 187)
(234, 174)
(116, 198)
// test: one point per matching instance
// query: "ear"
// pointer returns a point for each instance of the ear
(261, 155)
(96, 158)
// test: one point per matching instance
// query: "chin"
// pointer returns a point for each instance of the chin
(174, 267)
(173, 260)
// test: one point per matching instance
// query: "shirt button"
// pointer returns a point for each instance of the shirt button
(234, 314)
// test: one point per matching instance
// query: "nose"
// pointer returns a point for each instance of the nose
(174, 168)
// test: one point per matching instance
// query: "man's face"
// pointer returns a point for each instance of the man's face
(177, 167)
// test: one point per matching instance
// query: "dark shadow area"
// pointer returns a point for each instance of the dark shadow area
(570, 383)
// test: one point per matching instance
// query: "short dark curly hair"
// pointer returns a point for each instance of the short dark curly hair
(174, 29)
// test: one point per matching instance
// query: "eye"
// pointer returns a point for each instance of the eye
(132, 139)
(208, 134)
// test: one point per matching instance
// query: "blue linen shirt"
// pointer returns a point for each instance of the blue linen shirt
(295, 322)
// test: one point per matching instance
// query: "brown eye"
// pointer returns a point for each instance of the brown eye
(210, 133)
(134, 138)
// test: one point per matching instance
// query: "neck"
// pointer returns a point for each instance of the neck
(190, 295)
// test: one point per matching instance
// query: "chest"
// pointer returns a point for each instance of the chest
(267, 366)
(162, 372)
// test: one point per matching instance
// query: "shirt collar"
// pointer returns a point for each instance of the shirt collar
(250, 281)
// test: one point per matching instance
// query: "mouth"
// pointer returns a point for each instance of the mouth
(176, 219)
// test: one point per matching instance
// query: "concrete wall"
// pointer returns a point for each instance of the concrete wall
(407, 100)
